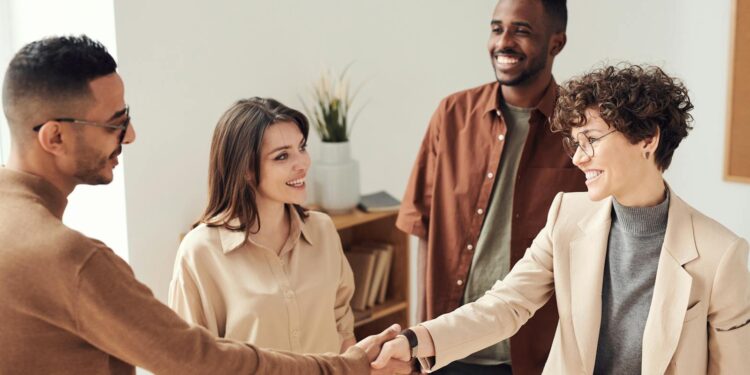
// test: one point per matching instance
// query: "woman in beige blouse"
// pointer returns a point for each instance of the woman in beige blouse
(258, 267)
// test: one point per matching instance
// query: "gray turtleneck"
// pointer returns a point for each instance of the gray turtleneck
(635, 241)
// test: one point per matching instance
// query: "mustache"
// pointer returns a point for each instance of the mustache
(117, 152)
(508, 52)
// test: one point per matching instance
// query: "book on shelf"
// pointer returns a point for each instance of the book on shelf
(363, 266)
(373, 289)
(378, 202)
(386, 275)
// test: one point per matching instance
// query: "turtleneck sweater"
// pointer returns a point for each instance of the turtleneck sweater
(635, 241)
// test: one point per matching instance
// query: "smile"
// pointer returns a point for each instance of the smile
(296, 183)
(506, 60)
(592, 175)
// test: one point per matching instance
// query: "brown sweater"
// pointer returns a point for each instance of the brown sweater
(69, 305)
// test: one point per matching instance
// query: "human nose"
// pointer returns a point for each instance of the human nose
(580, 157)
(505, 40)
(303, 162)
(129, 136)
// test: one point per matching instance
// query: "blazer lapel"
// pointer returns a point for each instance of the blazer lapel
(588, 252)
(671, 289)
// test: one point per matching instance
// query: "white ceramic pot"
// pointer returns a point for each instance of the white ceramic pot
(336, 178)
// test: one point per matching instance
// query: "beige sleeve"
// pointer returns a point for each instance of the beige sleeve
(729, 314)
(343, 310)
(503, 309)
(185, 297)
(119, 315)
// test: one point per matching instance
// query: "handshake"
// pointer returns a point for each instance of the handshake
(388, 352)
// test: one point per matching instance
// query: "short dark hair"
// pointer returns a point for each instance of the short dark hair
(634, 100)
(51, 72)
(235, 151)
(557, 12)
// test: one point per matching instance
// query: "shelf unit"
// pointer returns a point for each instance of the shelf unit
(359, 226)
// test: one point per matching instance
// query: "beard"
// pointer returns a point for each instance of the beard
(535, 65)
(91, 165)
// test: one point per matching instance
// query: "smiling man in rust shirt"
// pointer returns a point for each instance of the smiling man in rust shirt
(69, 304)
(484, 179)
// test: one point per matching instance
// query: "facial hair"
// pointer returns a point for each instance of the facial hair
(536, 64)
(90, 164)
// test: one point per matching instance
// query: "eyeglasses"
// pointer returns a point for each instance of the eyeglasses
(585, 143)
(122, 125)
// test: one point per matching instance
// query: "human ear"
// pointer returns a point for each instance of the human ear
(650, 144)
(557, 43)
(51, 138)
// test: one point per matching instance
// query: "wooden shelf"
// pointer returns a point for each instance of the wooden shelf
(358, 217)
(359, 226)
(382, 310)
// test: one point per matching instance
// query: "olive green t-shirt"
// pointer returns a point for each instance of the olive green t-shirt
(491, 260)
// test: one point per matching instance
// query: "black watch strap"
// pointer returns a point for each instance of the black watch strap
(411, 337)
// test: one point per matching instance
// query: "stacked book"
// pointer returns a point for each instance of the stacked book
(371, 265)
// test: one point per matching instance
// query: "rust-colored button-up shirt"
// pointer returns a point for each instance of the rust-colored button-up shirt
(449, 193)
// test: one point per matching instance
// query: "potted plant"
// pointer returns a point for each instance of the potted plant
(336, 174)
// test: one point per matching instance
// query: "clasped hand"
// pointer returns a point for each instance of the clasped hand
(387, 352)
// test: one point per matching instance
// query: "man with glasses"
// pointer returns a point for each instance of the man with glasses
(69, 304)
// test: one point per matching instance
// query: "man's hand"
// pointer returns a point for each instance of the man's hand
(395, 349)
(372, 344)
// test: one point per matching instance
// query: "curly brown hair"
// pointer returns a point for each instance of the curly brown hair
(635, 100)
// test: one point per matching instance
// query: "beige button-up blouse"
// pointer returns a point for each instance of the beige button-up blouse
(296, 301)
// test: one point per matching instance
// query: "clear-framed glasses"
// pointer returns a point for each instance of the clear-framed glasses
(121, 124)
(584, 142)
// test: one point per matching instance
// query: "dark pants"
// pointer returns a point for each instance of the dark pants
(460, 368)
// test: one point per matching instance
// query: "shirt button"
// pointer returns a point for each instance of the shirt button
(501, 137)
(460, 282)
(295, 333)
(470, 247)
(490, 175)
(480, 211)
(289, 294)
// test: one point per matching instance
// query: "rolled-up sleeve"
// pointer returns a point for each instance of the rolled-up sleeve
(414, 214)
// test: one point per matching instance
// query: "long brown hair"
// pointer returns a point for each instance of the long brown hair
(235, 152)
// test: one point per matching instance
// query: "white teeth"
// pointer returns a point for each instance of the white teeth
(296, 183)
(592, 174)
(505, 59)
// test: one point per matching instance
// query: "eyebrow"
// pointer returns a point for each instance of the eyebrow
(514, 23)
(280, 148)
(118, 114)
(277, 149)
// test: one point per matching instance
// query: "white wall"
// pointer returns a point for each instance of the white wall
(185, 62)
(5, 56)
(97, 211)
(691, 40)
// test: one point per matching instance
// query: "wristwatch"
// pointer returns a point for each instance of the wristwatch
(411, 337)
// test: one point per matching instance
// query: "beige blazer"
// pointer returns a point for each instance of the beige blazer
(697, 323)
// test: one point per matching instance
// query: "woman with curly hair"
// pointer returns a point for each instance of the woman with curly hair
(644, 283)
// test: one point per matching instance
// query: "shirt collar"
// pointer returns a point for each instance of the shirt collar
(546, 105)
(234, 239)
(36, 187)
